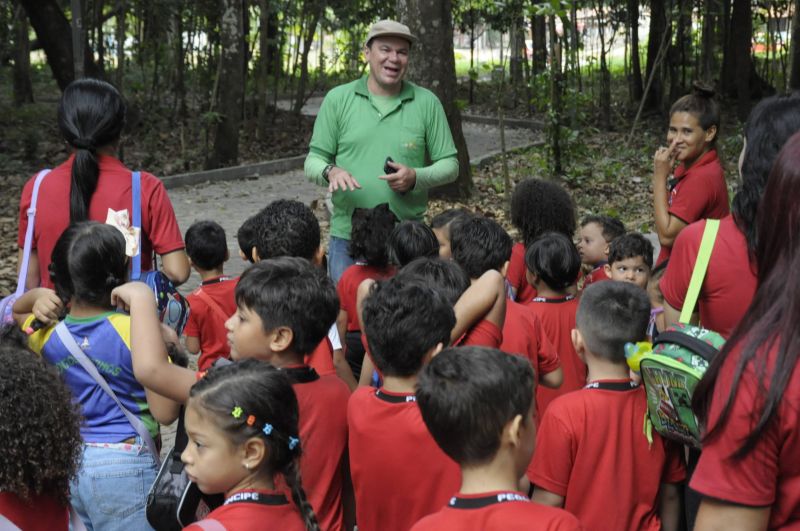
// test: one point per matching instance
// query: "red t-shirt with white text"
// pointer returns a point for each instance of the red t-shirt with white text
(399, 472)
(160, 231)
(246, 514)
(591, 450)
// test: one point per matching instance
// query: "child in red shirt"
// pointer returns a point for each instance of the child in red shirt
(596, 234)
(537, 207)
(442, 224)
(399, 474)
(371, 229)
(553, 264)
(40, 425)
(592, 456)
(478, 405)
(242, 425)
(698, 188)
(213, 302)
(285, 308)
(480, 244)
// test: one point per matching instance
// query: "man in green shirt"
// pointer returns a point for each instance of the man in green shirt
(365, 121)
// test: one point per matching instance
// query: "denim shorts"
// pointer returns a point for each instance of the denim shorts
(111, 487)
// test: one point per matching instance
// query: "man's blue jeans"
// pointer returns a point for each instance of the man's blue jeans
(338, 258)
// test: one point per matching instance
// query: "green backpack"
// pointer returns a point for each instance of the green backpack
(679, 358)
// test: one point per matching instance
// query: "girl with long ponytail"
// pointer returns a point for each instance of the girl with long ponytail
(92, 181)
(242, 424)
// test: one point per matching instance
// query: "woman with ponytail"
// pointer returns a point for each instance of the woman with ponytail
(118, 463)
(242, 423)
(92, 181)
(749, 400)
(731, 278)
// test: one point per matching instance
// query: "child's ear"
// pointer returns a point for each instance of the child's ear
(433, 352)
(281, 339)
(504, 269)
(606, 249)
(243, 256)
(607, 268)
(227, 255)
(531, 277)
(578, 344)
(711, 133)
(254, 452)
(254, 254)
(512, 431)
(319, 254)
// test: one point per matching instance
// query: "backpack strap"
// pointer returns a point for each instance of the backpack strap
(684, 340)
(136, 213)
(700, 268)
(22, 278)
(212, 304)
(72, 346)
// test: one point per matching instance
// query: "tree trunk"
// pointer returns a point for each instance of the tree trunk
(740, 78)
(23, 88)
(99, 39)
(434, 67)
(122, 11)
(55, 35)
(179, 62)
(539, 52)
(313, 11)
(554, 126)
(516, 42)
(231, 85)
(658, 25)
(605, 75)
(707, 42)
(635, 83)
(794, 76)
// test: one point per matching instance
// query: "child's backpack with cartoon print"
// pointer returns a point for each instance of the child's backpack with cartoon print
(678, 360)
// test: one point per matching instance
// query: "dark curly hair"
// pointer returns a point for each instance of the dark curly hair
(541, 206)
(371, 229)
(39, 424)
(286, 228)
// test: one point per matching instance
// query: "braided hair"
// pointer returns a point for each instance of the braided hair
(265, 405)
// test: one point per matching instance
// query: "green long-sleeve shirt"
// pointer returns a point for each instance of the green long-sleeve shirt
(357, 131)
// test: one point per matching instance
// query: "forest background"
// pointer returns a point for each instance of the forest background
(215, 83)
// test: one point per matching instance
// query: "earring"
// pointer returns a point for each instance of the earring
(247, 466)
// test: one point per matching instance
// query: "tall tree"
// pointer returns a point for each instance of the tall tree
(658, 28)
(231, 84)
(433, 66)
(635, 83)
(23, 88)
(312, 12)
(739, 77)
(55, 35)
(794, 76)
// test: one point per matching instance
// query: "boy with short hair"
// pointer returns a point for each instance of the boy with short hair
(630, 259)
(596, 234)
(285, 308)
(398, 472)
(480, 244)
(213, 302)
(592, 456)
(442, 224)
(478, 405)
(553, 264)
(246, 238)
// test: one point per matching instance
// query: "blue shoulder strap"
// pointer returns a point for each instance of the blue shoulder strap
(136, 197)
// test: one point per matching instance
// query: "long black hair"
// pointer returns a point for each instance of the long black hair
(768, 127)
(770, 323)
(257, 388)
(91, 115)
(88, 261)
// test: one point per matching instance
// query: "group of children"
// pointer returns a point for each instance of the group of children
(408, 395)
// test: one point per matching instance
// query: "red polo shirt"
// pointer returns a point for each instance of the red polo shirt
(206, 324)
(41, 513)
(516, 274)
(399, 473)
(523, 335)
(768, 476)
(160, 232)
(250, 515)
(591, 450)
(489, 511)
(730, 281)
(598, 274)
(322, 404)
(347, 288)
(321, 358)
(557, 316)
(700, 193)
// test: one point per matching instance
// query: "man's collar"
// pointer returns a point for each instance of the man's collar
(406, 93)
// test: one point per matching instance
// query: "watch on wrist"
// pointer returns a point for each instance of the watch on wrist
(326, 171)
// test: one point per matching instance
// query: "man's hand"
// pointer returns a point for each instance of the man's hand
(339, 179)
(403, 180)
